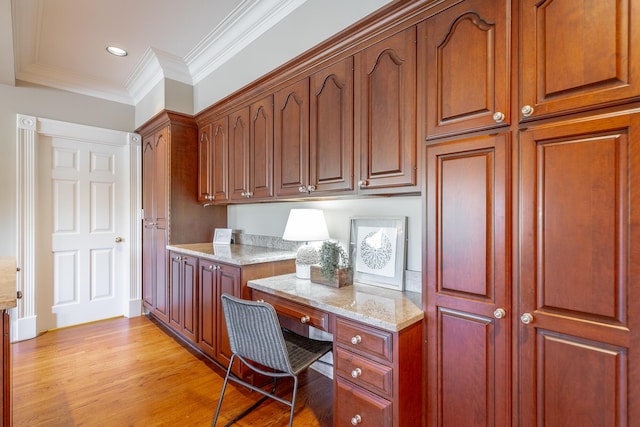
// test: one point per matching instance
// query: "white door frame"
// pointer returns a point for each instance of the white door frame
(23, 317)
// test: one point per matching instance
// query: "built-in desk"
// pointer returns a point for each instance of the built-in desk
(377, 345)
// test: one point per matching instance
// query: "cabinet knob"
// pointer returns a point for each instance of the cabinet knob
(357, 419)
(526, 318)
(362, 183)
(498, 117)
(177, 258)
(527, 110)
(19, 294)
(311, 188)
(210, 197)
(499, 313)
(248, 194)
(211, 267)
(355, 340)
(243, 194)
(356, 373)
(302, 189)
(259, 300)
(305, 319)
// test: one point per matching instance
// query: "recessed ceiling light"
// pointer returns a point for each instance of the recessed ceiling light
(116, 51)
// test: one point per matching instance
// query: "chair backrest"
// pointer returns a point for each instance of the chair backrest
(254, 332)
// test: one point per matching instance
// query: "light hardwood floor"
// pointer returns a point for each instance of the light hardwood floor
(129, 372)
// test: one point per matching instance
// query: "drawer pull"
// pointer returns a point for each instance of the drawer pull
(305, 319)
(259, 300)
(357, 419)
(357, 339)
(356, 373)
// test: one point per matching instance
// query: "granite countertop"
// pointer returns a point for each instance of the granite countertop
(234, 254)
(385, 308)
(8, 268)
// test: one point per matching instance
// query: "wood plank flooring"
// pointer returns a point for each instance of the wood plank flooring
(129, 372)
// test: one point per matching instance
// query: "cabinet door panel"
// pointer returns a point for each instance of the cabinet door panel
(579, 186)
(386, 74)
(175, 290)
(208, 307)
(190, 298)
(239, 154)
(576, 54)
(220, 160)
(228, 283)
(467, 205)
(291, 149)
(160, 204)
(467, 67)
(204, 164)
(261, 152)
(331, 128)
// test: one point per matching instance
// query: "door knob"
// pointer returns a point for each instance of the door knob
(499, 313)
(119, 239)
(526, 318)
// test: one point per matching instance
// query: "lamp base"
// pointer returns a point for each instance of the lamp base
(303, 271)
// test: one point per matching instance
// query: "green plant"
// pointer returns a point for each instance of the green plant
(332, 258)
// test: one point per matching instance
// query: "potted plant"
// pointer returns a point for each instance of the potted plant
(334, 267)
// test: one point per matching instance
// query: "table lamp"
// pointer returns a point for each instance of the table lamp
(305, 225)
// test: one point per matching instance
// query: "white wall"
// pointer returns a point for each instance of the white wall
(306, 27)
(269, 219)
(52, 104)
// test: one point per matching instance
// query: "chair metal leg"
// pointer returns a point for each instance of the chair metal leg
(293, 399)
(224, 387)
(254, 406)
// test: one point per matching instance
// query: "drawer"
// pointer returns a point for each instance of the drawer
(364, 340)
(363, 372)
(356, 406)
(302, 313)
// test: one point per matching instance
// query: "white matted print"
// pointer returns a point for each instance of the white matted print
(377, 247)
(222, 236)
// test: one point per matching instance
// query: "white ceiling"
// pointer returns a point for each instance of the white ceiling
(61, 43)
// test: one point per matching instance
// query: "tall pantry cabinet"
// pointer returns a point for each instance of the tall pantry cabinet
(171, 212)
(531, 264)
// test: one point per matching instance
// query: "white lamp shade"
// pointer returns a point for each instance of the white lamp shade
(306, 225)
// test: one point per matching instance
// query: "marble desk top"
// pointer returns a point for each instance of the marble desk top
(8, 273)
(385, 308)
(233, 254)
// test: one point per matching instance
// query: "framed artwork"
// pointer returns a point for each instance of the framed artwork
(377, 247)
(222, 236)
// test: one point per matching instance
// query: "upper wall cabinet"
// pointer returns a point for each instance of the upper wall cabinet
(385, 105)
(313, 149)
(251, 151)
(466, 68)
(213, 146)
(576, 54)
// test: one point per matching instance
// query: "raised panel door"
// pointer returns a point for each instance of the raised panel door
(148, 227)
(579, 292)
(220, 160)
(386, 105)
(228, 283)
(331, 144)
(239, 154)
(291, 146)
(205, 191)
(467, 69)
(261, 151)
(467, 298)
(208, 307)
(189, 301)
(176, 273)
(577, 54)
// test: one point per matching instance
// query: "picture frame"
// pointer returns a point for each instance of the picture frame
(377, 248)
(222, 236)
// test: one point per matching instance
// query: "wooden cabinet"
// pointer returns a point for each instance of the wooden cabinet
(375, 374)
(468, 281)
(579, 299)
(385, 100)
(171, 212)
(251, 151)
(183, 295)
(213, 157)
(576, 55)
(216, 279)
(313, 150)
(464, 64)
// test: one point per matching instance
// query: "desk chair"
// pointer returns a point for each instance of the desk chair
(258, 341)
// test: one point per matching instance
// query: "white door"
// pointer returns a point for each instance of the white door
(82, 253)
